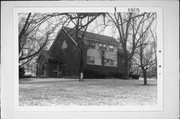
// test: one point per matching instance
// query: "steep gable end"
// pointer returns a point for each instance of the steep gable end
(61, 42)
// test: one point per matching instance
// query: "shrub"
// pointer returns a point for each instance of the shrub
(134, 76)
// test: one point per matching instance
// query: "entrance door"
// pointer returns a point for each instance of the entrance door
(58, 71)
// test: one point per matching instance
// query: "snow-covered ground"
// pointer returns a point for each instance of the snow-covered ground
(90, 92)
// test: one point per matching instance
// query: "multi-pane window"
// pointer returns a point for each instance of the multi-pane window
(90, 59)
(108, 62)
(111, 48)
(104, 54)
(105, 47)
(91, 45)
(102, 46)
(111, 62)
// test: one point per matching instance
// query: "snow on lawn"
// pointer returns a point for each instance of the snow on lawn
(103, 92)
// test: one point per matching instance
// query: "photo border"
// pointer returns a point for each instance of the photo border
(170, 69)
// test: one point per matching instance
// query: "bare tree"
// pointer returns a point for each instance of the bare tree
(146, 56)
(128, 26)
(34, 33)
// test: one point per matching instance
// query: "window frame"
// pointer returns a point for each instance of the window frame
(111, 48)
(91, 44)
(91, 59)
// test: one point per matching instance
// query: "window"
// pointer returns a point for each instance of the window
(91, 45)
(102, 46)
(90, 60)
(105, 47)
(111, 48)
(109, 62)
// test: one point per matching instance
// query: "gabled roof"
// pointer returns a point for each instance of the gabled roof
(72, 35)
(91, 36)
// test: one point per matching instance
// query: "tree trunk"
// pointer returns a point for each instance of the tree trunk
(81, 52)
(126, 69)
(81, 78)
(145, 76)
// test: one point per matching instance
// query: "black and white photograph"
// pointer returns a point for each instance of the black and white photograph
(88, 59)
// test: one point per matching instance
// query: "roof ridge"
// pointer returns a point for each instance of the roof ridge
(95, 36)
(90, 32)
